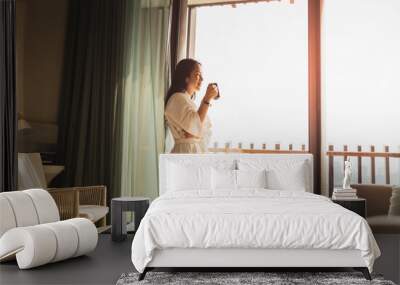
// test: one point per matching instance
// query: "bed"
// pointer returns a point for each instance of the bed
(246, 211)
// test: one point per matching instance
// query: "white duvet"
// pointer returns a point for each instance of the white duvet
(251, 218)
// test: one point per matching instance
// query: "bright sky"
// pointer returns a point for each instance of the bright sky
(258, 55)
(362, 72)
(361, 87)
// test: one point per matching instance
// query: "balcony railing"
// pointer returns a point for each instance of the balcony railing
(371, 155)
(264, 149)
(360, 154)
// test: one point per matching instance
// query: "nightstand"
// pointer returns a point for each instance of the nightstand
(138, 205)
(358, 206)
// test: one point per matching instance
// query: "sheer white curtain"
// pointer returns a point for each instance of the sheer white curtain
(145, 88)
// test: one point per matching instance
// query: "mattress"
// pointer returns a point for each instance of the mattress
(250, 219)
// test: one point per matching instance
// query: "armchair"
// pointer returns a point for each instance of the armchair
(383, 216)
(85, 202)
(380, 199)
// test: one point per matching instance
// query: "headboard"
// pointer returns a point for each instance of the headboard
(212, 158)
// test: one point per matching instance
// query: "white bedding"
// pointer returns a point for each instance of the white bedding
(250, 218)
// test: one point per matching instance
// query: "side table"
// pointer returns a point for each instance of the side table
(138, 205)
(358, 206)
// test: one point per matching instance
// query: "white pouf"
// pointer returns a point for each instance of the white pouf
(41, 244)
(30, 230)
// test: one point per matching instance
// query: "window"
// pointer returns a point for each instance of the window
(258, 55)
(361, 90)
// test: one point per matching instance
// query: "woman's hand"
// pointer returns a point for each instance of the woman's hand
(211, 93)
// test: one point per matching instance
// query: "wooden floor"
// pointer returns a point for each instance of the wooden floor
(102, 266)
(110, 259)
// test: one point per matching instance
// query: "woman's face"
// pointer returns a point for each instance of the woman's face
(195, 79)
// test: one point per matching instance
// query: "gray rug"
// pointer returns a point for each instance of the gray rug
(228, 278)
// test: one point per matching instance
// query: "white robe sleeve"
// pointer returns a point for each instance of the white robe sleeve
(181, 112)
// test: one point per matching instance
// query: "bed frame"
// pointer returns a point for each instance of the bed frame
(240, 259)
(246, 259)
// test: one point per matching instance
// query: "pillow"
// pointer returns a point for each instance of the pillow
(224, 179)
(188, 177)
(288, 178)
(394, 209)
(251, 178)
(282, 174)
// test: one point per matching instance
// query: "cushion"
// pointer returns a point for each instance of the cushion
(292, 178)
(282, 174)
(251, 179)
(189, 160)
(394, 209)
(168, 163)
(87, 235)
(66, 237)
(7, 220)
(40, 244)
(187, 177)
(377, 196)
(223, 179)
(34, 245)
(93, 212)
(45, 206)
(24, 210)
(384, 224)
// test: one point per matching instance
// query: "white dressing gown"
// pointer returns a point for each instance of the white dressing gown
(182, 118)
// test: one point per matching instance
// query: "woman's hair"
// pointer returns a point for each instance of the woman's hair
(182, 70)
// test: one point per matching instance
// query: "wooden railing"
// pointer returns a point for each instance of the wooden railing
(360, 154)
(276, 149)
(371, 155)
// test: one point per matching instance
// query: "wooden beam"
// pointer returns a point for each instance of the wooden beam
(345, 149)
(314, 87)
(363, 154)
(359, 162)
(191, 33)
(202, 3)
(387, 166)
(372, 165)
(174, 34)
(267, 151)
(330, 170)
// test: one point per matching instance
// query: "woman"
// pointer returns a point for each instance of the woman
(189, 125)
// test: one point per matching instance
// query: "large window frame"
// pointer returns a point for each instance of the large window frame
(186, 15)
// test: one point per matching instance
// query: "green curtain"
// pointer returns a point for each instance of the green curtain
(90, 108)
(143, 102)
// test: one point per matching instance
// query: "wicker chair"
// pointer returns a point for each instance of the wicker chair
(80, 201)
(86, 202)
